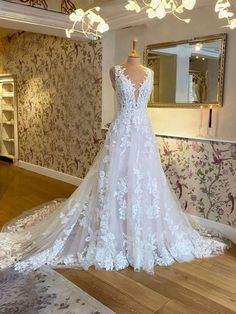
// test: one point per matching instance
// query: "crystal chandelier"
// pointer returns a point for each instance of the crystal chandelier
(89, 23)
(160, 8)
(222, 7)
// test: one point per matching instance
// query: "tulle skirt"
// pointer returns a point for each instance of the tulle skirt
(123, 213)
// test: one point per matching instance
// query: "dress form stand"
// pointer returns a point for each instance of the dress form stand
(133, 68)
(133, 57)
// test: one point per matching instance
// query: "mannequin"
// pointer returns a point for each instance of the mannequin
(133, 69)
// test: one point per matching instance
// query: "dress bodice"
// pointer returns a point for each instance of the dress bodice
(128, 96)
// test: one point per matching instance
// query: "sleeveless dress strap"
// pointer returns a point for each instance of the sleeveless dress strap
(117, 70)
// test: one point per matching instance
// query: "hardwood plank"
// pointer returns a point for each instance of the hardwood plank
(201, 287)
(176, 307)
(21, 189)
(138, 292)
(228, 269)
(174, 291)
(104, 292)
(231, 251)
(199, 272)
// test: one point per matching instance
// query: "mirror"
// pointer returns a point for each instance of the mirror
(187, 73)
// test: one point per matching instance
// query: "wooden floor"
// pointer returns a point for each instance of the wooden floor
(202, 286)
(21, 189)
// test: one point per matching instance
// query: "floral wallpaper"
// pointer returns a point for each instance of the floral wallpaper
(59, 99)
(203, 175)
(62, 6)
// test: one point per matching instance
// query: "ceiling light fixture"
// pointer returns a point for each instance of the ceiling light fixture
(198, 47)
(222, 8)
(160, 8)
(90, 23)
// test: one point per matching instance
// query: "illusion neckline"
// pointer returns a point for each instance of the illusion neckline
(129, 79)
(141, 84)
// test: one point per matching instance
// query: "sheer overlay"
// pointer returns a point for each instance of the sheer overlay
(123, 213)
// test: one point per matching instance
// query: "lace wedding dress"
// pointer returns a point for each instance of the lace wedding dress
(123, 213)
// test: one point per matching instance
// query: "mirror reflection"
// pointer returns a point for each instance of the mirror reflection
(187, 73)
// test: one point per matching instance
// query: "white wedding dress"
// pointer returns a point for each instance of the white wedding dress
(123, 213)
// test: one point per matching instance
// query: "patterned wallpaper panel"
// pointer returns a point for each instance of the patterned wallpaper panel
(59, 99)
(203, 175)
(63, 6)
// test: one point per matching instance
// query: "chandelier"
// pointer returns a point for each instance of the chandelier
(160, 8)
(222, 7)
(90, 23)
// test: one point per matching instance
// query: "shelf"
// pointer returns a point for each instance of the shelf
(7, 109)
(7, 156)
(5, 80)
(8, 140)
(8, 118)
(8, 122)
(7, 88)
(10, 94)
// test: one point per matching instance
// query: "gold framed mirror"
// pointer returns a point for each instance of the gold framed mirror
(187, 73)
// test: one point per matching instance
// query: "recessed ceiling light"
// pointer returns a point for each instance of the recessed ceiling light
(198, 47)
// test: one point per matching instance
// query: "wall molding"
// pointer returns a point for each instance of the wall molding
(189, 137)
(197, 138)
(49, 173)
(26, 18)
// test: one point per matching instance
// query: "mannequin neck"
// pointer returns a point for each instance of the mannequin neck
(134, 61)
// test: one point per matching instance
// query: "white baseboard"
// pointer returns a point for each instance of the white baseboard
(50, 173)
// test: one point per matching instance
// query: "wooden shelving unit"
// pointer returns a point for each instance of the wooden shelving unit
(8, 118)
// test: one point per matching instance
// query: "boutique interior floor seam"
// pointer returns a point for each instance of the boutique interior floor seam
(201, 286)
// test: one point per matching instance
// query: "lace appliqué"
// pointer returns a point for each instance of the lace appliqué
(123, 213)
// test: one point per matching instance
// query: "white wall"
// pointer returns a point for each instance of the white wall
(108, 97)
(185, 122)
